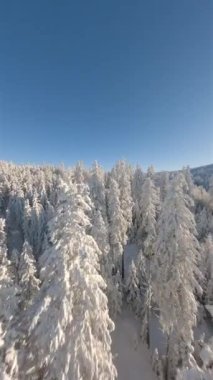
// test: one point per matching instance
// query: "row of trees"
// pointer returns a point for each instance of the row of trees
(174, 268)
(62, 237)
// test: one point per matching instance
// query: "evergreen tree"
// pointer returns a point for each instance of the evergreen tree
(97, 190)
(137, 182)
(122, 174)
(149, 208)
(27, 273)
(34, 225)
(176, 269)
(8, 291)
(208, 253)
(132, 288)
(69, 334)
(117, 224)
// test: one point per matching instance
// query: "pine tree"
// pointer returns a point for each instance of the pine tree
(146, 236)
(145, 300)
(8, 291)
(97, 190)
(149, 208)
(27, 273)
(164, 185)
(176, 269)
(208, 253)
(137, 182)
(117, 224)
(99, 232)
(122, 175)
(132, 287)
(69, 334)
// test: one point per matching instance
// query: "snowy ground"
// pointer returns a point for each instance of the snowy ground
(132, 358)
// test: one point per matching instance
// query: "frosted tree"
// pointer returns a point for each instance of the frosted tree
(97, 190)
(15, 210)
(176, 270)
(99, 229)
(122, 174)
(132, 288)
(188, 178)
(99, 232)
(137, 182)
(145, 300)
(149, 208)
(208, 253)
(68, 326)
(117, 224)
(8, 290)
(164, 185)
(34, 225)
(27, 273)
(79, 174)
(146, 237)
(202, 219)
(92, 326)
(14, 218)
(14, 259)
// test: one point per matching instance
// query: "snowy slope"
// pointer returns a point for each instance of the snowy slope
(132, 358)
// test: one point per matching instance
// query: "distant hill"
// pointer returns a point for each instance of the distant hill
(202, 175)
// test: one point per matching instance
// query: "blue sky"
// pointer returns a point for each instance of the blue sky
(105, 80)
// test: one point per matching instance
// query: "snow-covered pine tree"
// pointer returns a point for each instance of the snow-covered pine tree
(137, 182)
(208, 254)
(145, 299)
(37, 227)
(15, 210)
(79, 174)
(14, 259)
(188, 178)
(68, 326)
(100, 233)
(164, 185)
(117, 224)
(176, 271)
(14, 218)
(97, 190)
(122, 174)
(8, 292)
(149, 208)
(203, 223)
(91, 354)
(146, 237)
(27, 274)
(34, 225)
(132, 288)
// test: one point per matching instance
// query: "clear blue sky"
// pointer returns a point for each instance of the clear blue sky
(105, 80)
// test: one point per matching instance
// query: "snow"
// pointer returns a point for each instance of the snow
(206, 353)
(209, 308)
(132, 358)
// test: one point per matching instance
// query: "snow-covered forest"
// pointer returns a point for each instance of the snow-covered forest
(83, 252)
